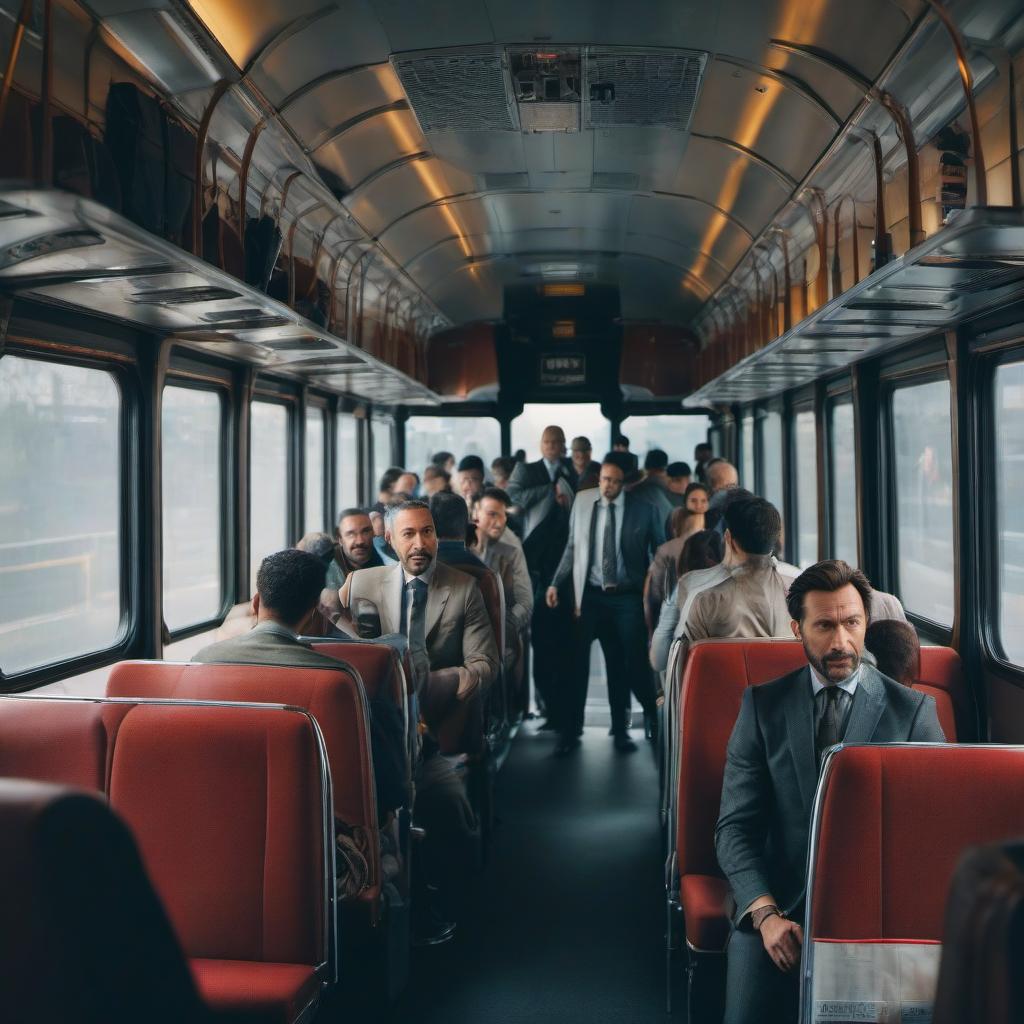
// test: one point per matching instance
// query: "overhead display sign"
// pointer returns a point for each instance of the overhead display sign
(563, 370)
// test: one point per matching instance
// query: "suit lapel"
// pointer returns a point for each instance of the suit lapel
(868, 705)
(392, 603)
(800, 730)
(437, 597)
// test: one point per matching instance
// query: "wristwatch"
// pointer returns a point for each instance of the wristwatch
(759, 916)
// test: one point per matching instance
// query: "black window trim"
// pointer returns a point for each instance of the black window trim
(834, 398)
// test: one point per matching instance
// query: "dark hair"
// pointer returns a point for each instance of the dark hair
(620, 459)
(289, 584)
(432, 472)
(519, 455)
(677, 518)
(471, 462)
(346, 512)
(678, 469)
(702, 550)
(896, 649)
(450, 514)
(621, 439)
(701, 445)
(388, 478)
(506, 465)
(695, 486)
(720, 501)
(655, 459)
(392, 512)
(755, 524)
(412, 473)
(830, 575)
(498, 494)
(440, 458)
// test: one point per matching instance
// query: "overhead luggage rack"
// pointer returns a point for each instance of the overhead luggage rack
(60, 249)
(974, 265)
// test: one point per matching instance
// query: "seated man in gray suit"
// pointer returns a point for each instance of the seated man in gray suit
(783, 729)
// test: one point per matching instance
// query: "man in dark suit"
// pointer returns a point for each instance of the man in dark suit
(654, 488)
(544, 491)
(784, 728)
(587, 470)
(612, 539)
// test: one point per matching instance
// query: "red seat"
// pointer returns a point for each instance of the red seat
(266, 991)
(890, 825)
(941, 676)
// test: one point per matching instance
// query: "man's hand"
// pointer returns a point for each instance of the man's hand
(782, 940)
(563, 499)
(551, 597)
(468, 684)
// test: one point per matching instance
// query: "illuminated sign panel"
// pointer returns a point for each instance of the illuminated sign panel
(563, 370)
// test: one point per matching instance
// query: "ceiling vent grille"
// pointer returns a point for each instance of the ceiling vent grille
(651, 88)
(457, 91)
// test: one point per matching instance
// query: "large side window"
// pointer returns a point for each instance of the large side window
(922, 487)
(192, 489)
(60, 513)
(460, 435)
(677, 436)
(348, 463)
(747, 475)
(771, 459)
(269, 503)
(381, 431)
(842, 468)
(1009, 438)
(316, 430)
(805, 462)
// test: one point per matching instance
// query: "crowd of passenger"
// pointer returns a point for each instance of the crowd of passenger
(646, 560)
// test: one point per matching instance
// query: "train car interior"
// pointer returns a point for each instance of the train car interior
(511, 511)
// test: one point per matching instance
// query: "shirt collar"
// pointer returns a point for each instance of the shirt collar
(553, 467)
(270, 626)
(618, 502)
(427, 575)
(849, 685)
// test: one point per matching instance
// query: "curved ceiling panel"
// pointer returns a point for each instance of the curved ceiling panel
(601, 211)
(413, 234)
(369, 145)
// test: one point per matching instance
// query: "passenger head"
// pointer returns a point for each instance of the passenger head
(471, 477)
(355, 535)
(519, 455)
(613, 476)
(435, 479)
(702, 550)
(450, 515)
(410, 532)
(501, 470)
(288, 587)
(696, 498)
(896, 648)
(582, 454)
(319, 544)
(443, 460)
(678, 521)
(492, 512)
(722, 475)
(752, 527)
(552, 443)
(829, 605)
(656, 462)
(407, 483)
(621, 443)
(386, 484)
(702, 453)
(678, 474)
(377, 521)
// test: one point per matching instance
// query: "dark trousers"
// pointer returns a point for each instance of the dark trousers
(616, 621)
(550, 629)
(756, 991)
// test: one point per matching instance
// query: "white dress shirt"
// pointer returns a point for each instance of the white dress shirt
(596, 577)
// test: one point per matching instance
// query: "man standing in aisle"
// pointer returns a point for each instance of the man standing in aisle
(544, 490)
(612, 539)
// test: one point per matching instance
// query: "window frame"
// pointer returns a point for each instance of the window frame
(322, 405)
(897, 380)
(841, 394)
(802, 402)
(125, 375)
(178, 378)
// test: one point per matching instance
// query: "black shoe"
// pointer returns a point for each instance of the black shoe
(651, 726)
(566, 745)
(546, 726)
(623, 744)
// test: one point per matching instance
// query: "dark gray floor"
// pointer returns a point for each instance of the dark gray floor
(568, 925)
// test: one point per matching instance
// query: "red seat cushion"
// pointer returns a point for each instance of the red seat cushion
(706, 901)
(274, 992)
(941, 672)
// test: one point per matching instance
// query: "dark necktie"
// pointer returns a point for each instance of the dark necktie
(828, 727)
(609, 559)
(415, 627)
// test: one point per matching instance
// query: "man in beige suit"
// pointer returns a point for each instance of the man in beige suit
(441, 612)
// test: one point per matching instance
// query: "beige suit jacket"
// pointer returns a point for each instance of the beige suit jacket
(751, 602)
(458, 630)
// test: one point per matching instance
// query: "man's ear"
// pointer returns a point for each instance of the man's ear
(795, 626)
(730, 545)
(255, 604)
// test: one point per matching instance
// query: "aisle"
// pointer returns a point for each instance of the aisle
(571, 927)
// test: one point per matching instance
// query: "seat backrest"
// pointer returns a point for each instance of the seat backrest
(493, 593)
(714, 678)
(83, 935)
(892, 821)
(230, 807)
(377, 664)
(941, 676)
(334, 699)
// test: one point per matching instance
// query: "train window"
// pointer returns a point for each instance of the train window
(677, 436)
(842, 467)
(922, 475)
(60, 518)
(805, 462)
(580, 419)
(348, 461)
(382, 455)
(1009, 422)
(270, 473)
(747, 453)
(460, 435)
(316, 443)
(770, 486)
(192, 487)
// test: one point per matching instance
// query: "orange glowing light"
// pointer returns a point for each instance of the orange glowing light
(564, 289)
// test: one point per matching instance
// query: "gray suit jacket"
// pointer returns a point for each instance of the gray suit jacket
(771, 773)
(458, 630)
(265, 645)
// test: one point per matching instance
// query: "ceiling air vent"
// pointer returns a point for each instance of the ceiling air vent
(617, 179)
(501, 180)
(641, 88)
(457, 90)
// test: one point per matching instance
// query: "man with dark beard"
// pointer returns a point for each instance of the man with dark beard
(354, 549)
(781, 735)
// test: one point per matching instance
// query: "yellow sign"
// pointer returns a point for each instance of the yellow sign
(564, 289)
